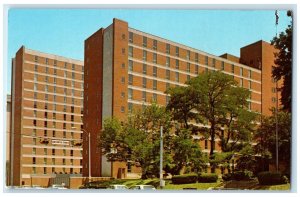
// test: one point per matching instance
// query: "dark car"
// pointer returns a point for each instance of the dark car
(93, 185)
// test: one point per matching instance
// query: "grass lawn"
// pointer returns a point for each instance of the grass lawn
(198, 186)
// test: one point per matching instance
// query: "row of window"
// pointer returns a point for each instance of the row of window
(34, 122)
(54, 134)
(36, 59)
(188, 65)
(54, 171)
(55, 72)
(46, 79)
(35, 88)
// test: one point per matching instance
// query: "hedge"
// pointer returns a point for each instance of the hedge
(271, 178)
(238, 176)
(207, 178)
(183, 179)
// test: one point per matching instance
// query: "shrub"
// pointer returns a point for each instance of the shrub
(183, 179)
(271, 178)
(238, 176)
(242, 175)
(227, 177)
(207, 178)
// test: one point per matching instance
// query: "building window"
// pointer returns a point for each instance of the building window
(144, 69)
(73, 75)
(33, 160)
(274, 90)
(154, 85)
(130, 79)
(222, 65)
(130, 107)
(144, 96)
(168, 74)
(167, 99)
(250, 85)
(144, 55)
(47, 61)
(130, 37)
(168, 61)
(188, 77)
(55, 62)
(123, 80)
(196, 69)
(167, 86)
(144, 41)
(34, 122)
(214, 63)
(154, 58)
(130, 65)
(45, 160)
(241, 71)
(35, 87)
(35, 95)
(73, 66)
(188, 53)
(122, 109)
(123, 51)
(33, 151)
(130, 93)
(196, 57)
(130, 51)
(45, 151)
(154, 98)
(205, 144)
(154, 44)
(273, 99)
(177, 76)
(188, 67)
(241, 82)
(206, 60)
(250, 74)
(144, 82)
(232, 68)
(36, 58)
(177, 64)
(168, 48)
(47, 70)
(34, 104)
(123, 65)
(35, 68)
(154, 71)
(177, 51)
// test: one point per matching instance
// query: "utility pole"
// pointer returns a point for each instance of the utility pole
(161, 181)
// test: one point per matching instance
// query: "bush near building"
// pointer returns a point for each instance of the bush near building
(184, 179)
(207, 178)
(238, 176)
(271, 178)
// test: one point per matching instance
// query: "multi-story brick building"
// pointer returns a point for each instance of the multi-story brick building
(47, 108)
(125, 67)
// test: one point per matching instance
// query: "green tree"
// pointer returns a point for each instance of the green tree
(186, 152)
(266, 138)
(214, 99)
(283, 63)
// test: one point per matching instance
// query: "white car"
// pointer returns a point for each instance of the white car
(58, 187)
(120, 187)
(143, 187)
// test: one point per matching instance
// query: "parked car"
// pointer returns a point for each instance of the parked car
(56, 186)
(143, 187)
(93, 185)
(119, 187)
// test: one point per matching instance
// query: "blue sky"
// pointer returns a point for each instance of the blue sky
(63, 31)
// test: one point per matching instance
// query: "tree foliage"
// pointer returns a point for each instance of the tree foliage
(283, 63)
(266, 138)
(214, 99)
(138, 140)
